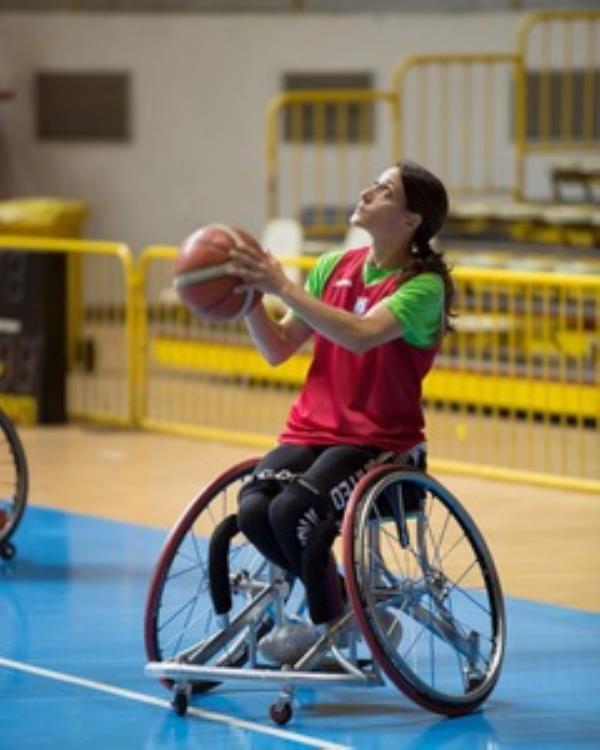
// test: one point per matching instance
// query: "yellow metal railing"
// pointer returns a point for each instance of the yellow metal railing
(516, 389)
(101, 385)
(515, 393)
(195, 378)
(475, 119)
(561, 47)
(453, 111)
(327, 144)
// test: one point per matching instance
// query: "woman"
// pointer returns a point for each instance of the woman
(378, 314)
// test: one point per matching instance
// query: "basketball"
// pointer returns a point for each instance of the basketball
(200, 273)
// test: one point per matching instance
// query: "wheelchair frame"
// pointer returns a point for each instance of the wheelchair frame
(401, 534)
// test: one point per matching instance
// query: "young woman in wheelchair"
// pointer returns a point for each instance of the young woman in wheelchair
(377, 314)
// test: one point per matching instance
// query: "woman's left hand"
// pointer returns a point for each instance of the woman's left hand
(258, 269)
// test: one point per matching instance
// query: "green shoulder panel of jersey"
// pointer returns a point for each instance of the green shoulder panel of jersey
(321, 271)
(318, 275)
(418, 306)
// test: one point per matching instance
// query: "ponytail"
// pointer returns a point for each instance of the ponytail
(427, 260)
(427, 197)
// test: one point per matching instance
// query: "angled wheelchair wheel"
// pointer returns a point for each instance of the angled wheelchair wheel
(14, 482)
(179, 609)
(424, 589)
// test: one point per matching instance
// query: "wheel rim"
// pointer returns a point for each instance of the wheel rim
(179, 611)
(442, 589)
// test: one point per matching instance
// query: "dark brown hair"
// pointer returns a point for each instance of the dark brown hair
(427, 197)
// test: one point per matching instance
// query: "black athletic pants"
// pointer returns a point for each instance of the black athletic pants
(294, 490)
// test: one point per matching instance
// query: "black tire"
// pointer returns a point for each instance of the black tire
(424, 589)
(280, 713)
(14, 481)
(179, 611)
(7, 551)
(180, 704)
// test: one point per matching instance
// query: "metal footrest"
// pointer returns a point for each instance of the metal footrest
(191, 673)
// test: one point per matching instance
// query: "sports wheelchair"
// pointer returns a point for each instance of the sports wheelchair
(425, 605)
(14, 483)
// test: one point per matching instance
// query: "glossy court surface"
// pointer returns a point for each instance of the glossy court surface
(72, 658)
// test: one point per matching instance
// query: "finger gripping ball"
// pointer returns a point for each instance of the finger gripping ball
(201, 278)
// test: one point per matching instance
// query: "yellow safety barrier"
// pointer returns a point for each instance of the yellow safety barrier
(516, 389)
(200, 379)
(559, 47)
(321, 150)
(473, 118)
(101, 380)
(515, 392)
(453, 118)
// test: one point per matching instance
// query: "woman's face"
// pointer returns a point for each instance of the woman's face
(382, 211)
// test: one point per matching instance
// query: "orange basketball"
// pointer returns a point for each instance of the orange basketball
(200, 273)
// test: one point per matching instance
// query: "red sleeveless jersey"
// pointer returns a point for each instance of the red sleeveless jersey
(360, 399)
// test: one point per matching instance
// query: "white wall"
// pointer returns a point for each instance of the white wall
(200, 87)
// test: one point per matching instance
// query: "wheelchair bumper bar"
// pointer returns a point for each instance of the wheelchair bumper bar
(192, 673)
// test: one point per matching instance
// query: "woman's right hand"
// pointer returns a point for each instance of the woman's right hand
(257, 269)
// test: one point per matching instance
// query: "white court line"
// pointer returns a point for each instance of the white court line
(102, 687)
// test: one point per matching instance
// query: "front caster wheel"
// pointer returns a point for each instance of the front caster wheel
(7, 551)
(474, 681)
(280, 712)
(180, 703)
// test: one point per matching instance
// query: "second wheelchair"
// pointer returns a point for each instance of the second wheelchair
(14, 483)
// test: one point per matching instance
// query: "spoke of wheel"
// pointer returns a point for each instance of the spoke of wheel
(165, 624)
(415, 641)
(437, 545)
(393, 543)
(185, 571)
(409, 551)
(431, 647)
(455, 587)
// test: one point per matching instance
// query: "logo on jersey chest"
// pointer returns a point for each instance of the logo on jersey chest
(361, 305)
(342, 283)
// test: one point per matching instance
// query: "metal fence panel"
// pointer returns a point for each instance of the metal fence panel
(100, 325)
(515, 391)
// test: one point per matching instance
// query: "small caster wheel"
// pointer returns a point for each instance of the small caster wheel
(474, 681)
(7, 551)
(280, 712)
(180, 703)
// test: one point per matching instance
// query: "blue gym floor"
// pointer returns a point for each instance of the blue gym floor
(72, 661)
